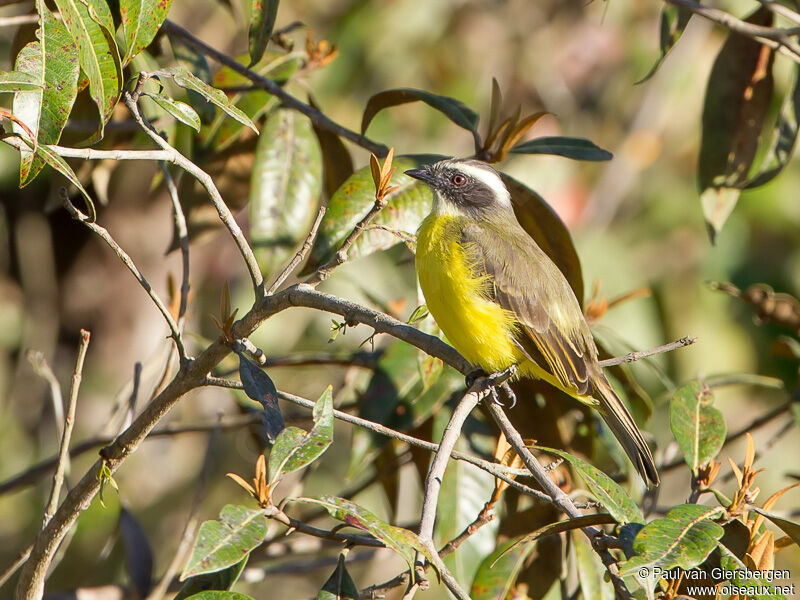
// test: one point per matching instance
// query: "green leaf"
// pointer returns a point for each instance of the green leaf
(91, 27)
(404, 542)
(788, 527)
(574, 148)
(262, 21)
(684, 539)
(608, 493)
(738, 96)
(548, 230)
(17, 81)
(141, 20)
(259, 387)
(498, 572)
(219, 580)
(756, 585)
(336, 159)
(221, 544)
(455, 110)
(407, 206)
(187, 80)
(285, 189)
(674, 20)
(698, 427)
(220, 595)
(784, 136)
(180, 110)
(195, 62)
(45, 111)
(591, 572)
(340, 585)
(294, 448)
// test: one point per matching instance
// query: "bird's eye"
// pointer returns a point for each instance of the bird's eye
(458, 179)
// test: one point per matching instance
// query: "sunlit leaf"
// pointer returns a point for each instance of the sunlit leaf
(53, 63)
(574, 148)
(698, 427)
(91, 27)
(221, 544)
(180, 110)
(286, 187)
(294, 448)
(684, 539)
(187, 80)
(789, 527)
(217, 581)
(17, 81)
(673, 21)
(738, 96)
(615, 499)
(141, 20)
(259, 387)
(262, 21)
(453, 109)
(406, 543)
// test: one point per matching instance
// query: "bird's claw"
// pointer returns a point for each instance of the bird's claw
(493, 381)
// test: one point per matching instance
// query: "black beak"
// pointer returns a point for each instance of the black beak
(421, 174)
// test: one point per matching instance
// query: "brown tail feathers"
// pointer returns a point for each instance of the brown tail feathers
(624, 428)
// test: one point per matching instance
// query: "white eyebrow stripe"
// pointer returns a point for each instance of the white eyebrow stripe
(488, 178)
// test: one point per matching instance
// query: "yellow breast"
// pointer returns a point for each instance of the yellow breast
(480, 329)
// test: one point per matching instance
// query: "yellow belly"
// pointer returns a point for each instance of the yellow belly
(480, 329)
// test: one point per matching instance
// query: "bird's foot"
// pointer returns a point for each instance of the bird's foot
(494, 381)
(473, 376)
(512, 397)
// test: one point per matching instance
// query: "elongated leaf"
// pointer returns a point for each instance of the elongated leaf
(498, 572)
(220, 595)
(141, 20)
(45, 111)
(259, 387)
(339, 586)
(698, 427)
(404, 542)
(218, 580)
(196, 63)
(788, 527)
(180, 110)
(262, 20)
(738, 96)
(285, 188)
(784, 136)
(187, 80)
(17, 81)
(684, 539)
(453, 109)
(591, 572)
(608, 493)
(548, 230)
(673, 21)
(294, 448)
(574, 148)
(221, 544)
(336, 159)
(90, 24)
(407, 206)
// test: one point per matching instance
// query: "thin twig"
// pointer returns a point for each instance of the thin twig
(207, 182)
(14, 566)
(273, 512)
(19, 20)
(560, 498)
(43, 370)
(301, 253)
(634, 356)
(182, 232)
(317, 117)
(66, 436)
(103, 234)
(91, 154)
(779, 9)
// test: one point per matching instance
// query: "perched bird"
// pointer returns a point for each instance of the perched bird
(501, 301)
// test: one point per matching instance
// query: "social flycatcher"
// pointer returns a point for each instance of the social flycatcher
(501, 301)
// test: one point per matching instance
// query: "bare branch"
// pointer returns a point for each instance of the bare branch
(634, 356)
(91, 154)
(103, 234)
(207, 182)
(317, 117)
(779, 9)
(43, 370)
(182, 232)
(66, 436)
(301, 253)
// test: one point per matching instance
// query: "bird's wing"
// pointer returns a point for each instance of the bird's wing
(552, 329)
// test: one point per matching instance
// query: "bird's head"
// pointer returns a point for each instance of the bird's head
(464, 186)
